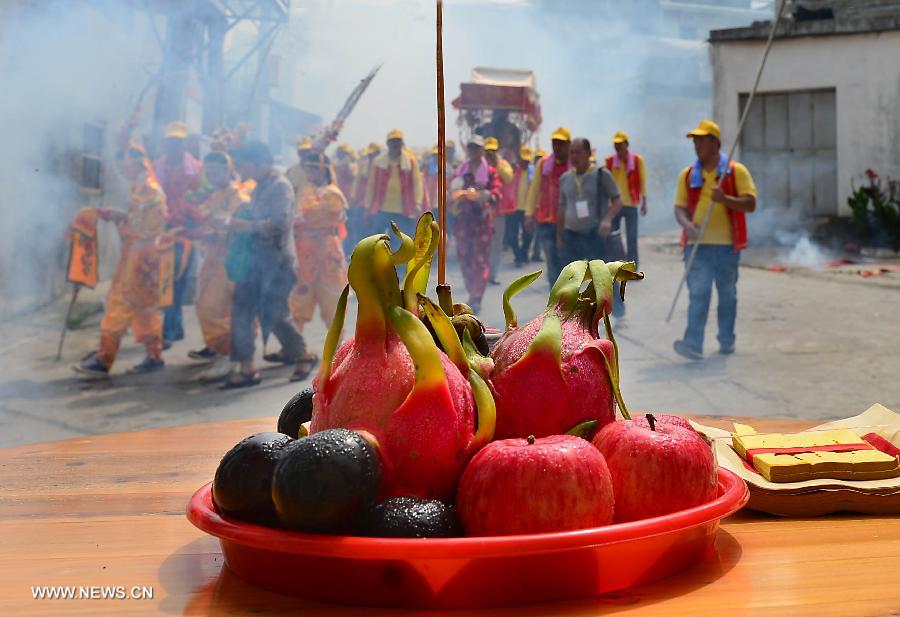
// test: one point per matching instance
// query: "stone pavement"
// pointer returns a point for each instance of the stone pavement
(816, 347)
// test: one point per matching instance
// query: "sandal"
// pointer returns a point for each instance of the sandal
(278, 358)
(308, 363)
(241, 380)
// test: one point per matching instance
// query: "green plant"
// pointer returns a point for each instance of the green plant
(875, 209)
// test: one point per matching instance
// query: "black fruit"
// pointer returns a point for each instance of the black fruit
(323, 481)
(297, 411)
(410, 517)
(242, 487)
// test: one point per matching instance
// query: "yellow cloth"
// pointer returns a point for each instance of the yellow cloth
(505, 171)
(522, 195)
(393, 196)
(718, 231)
(534, 193)
(620, 175)
(321, 264)
(214, 289)
(134, 293)
(296, 175)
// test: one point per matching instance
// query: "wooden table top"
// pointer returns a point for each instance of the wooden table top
(109, 511)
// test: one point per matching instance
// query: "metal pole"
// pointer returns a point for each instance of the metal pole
(62, 337)
(737, 139)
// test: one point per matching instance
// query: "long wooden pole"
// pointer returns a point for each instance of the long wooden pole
(442, 151)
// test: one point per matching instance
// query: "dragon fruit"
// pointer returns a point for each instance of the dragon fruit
(390, 382)
(555, 373)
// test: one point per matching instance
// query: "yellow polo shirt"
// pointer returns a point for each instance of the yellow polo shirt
(718, 231)
(393, 196)
(620, 175)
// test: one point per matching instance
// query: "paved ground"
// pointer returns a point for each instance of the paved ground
(810, 345)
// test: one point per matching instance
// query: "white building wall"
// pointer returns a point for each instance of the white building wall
(863, 68)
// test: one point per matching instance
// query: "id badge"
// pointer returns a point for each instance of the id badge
(581, 209)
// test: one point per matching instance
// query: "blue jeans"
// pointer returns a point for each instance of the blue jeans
(714, 263)
(173, 320)
(546, 234)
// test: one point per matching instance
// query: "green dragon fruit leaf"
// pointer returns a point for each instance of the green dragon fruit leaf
(374, 279)
(518, 285)
(425, 355)
(418, 269)
(407, 248)
(484, 400)
(465, 356)
(334, 336)
(445, 332)
(585, 430)
(564, 293)
(548, 340)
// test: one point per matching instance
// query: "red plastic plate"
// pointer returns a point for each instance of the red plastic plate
(468, 572)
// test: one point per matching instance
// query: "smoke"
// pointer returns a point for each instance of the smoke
(62, 65)
(601, 67)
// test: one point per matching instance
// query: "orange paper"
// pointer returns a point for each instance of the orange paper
(84, 262)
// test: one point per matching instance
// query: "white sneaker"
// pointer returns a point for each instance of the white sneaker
(220, 368)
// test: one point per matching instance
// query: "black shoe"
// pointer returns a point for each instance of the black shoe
(726, 350)
(686, 351)
(148, 365)
(493, 282)
(92, 367)
(204, 354)
(167, 344)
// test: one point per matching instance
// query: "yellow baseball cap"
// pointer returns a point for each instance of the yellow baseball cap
(525, 153)
(434, 150)
(491, 144)
(345, 148)
(541, 153)
(373, 147)
(395, 134)
(177, 129)
(706, 127)
(561, 134)
(304, 143)
(620, 138)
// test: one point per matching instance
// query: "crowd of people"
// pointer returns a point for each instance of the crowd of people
(274, 244)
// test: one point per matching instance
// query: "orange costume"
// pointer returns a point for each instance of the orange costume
(321, 265)
(214, 289)
(141, 280)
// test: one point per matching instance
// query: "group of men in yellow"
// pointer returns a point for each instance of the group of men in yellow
(304, 222)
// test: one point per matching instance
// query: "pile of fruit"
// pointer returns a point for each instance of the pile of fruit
(414, 429)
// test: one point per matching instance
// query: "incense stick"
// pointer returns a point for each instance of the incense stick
(442, 152)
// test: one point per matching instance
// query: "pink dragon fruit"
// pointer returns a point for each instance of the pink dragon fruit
(391, 383)
(555, 373)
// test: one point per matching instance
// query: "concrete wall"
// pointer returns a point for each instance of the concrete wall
(861, 67)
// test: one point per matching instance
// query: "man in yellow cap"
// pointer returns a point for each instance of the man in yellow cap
(724, 189)
(394, 190)
(178, 173)
(502, 209)
(627, 168)
(295, 174)
(542, 208)
(514, 196)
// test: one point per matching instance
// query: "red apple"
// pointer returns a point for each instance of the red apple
(656, 470)
(521, 486)
(662, 418)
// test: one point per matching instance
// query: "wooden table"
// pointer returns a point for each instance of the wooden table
(109, 511)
